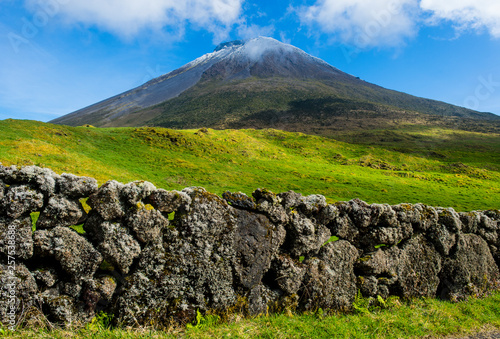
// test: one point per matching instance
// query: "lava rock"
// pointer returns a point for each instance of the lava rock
(21, 201)
(240, 200)
(75, 254)
(106, 201)
(470, 221)
(2, 191)
(256, 243)
(329, 281)
(470, 271)
(134, 192)
(269, 204)
(288, 274)
(146, 223)
(18, 291)
(75, 187)
(16, 237)
(418, 269)
(113, 240)
(45, 277)
(304, 237)
(61, 212)
(193, 272)
(41, 179)
(169, 201)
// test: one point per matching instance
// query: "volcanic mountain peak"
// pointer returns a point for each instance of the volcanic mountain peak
(261, 57)
(251, 83)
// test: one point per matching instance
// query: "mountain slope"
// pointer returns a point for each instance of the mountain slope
(247, 84)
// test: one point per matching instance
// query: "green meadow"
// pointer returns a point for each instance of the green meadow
(435, 166)
(419, 318)
(439, 167)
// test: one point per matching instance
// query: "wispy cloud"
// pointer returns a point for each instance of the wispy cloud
(246, 31)
(392, 22)
(363, 23)
(466, 14)
(128, 17)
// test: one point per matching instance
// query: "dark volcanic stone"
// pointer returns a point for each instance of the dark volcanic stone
(16, 233)
(470, 271)
(76, 187)
(75, 254)
(329, 281)
(256, 242)
(61, 212)
(21, 201)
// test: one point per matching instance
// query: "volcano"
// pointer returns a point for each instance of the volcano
(262, 83)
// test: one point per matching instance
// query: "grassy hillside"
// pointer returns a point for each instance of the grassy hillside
(286, 103)
(420, 164)
(338, 102)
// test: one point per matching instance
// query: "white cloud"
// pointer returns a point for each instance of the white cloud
(372, 23)
(364, 23)
(467, 14)
(246, 31)
(128, 17)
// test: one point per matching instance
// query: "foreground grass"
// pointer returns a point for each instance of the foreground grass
(433, 166)
(418, 318)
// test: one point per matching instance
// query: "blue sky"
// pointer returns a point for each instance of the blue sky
(58, 56)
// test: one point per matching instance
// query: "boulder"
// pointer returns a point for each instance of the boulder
(60, 309)
(269, 204)
(41, 179)
(74, 187)
(18, 291)
(259, 298)
(146, 223)
(288, 274)
(470, 221)
(135, 192)
(471, 270)
(240, 200)
(443, 239)
(423, 217)
(308, 205)
(45, 277)
(106, 201)
(60, 211)
(304, 236)
(382, 263)
(113, 240)
(191, 271)
(256, 243)
(169, 201)
(342, 225)
(410, 271)
(359, 212)
(21, 201)
(418, 269)
(74, 253)
(16, 237)
(329, 281)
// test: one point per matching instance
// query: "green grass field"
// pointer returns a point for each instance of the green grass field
(419, 318)
(448, 168)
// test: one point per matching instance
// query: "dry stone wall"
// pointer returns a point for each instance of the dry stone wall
(148, 255)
